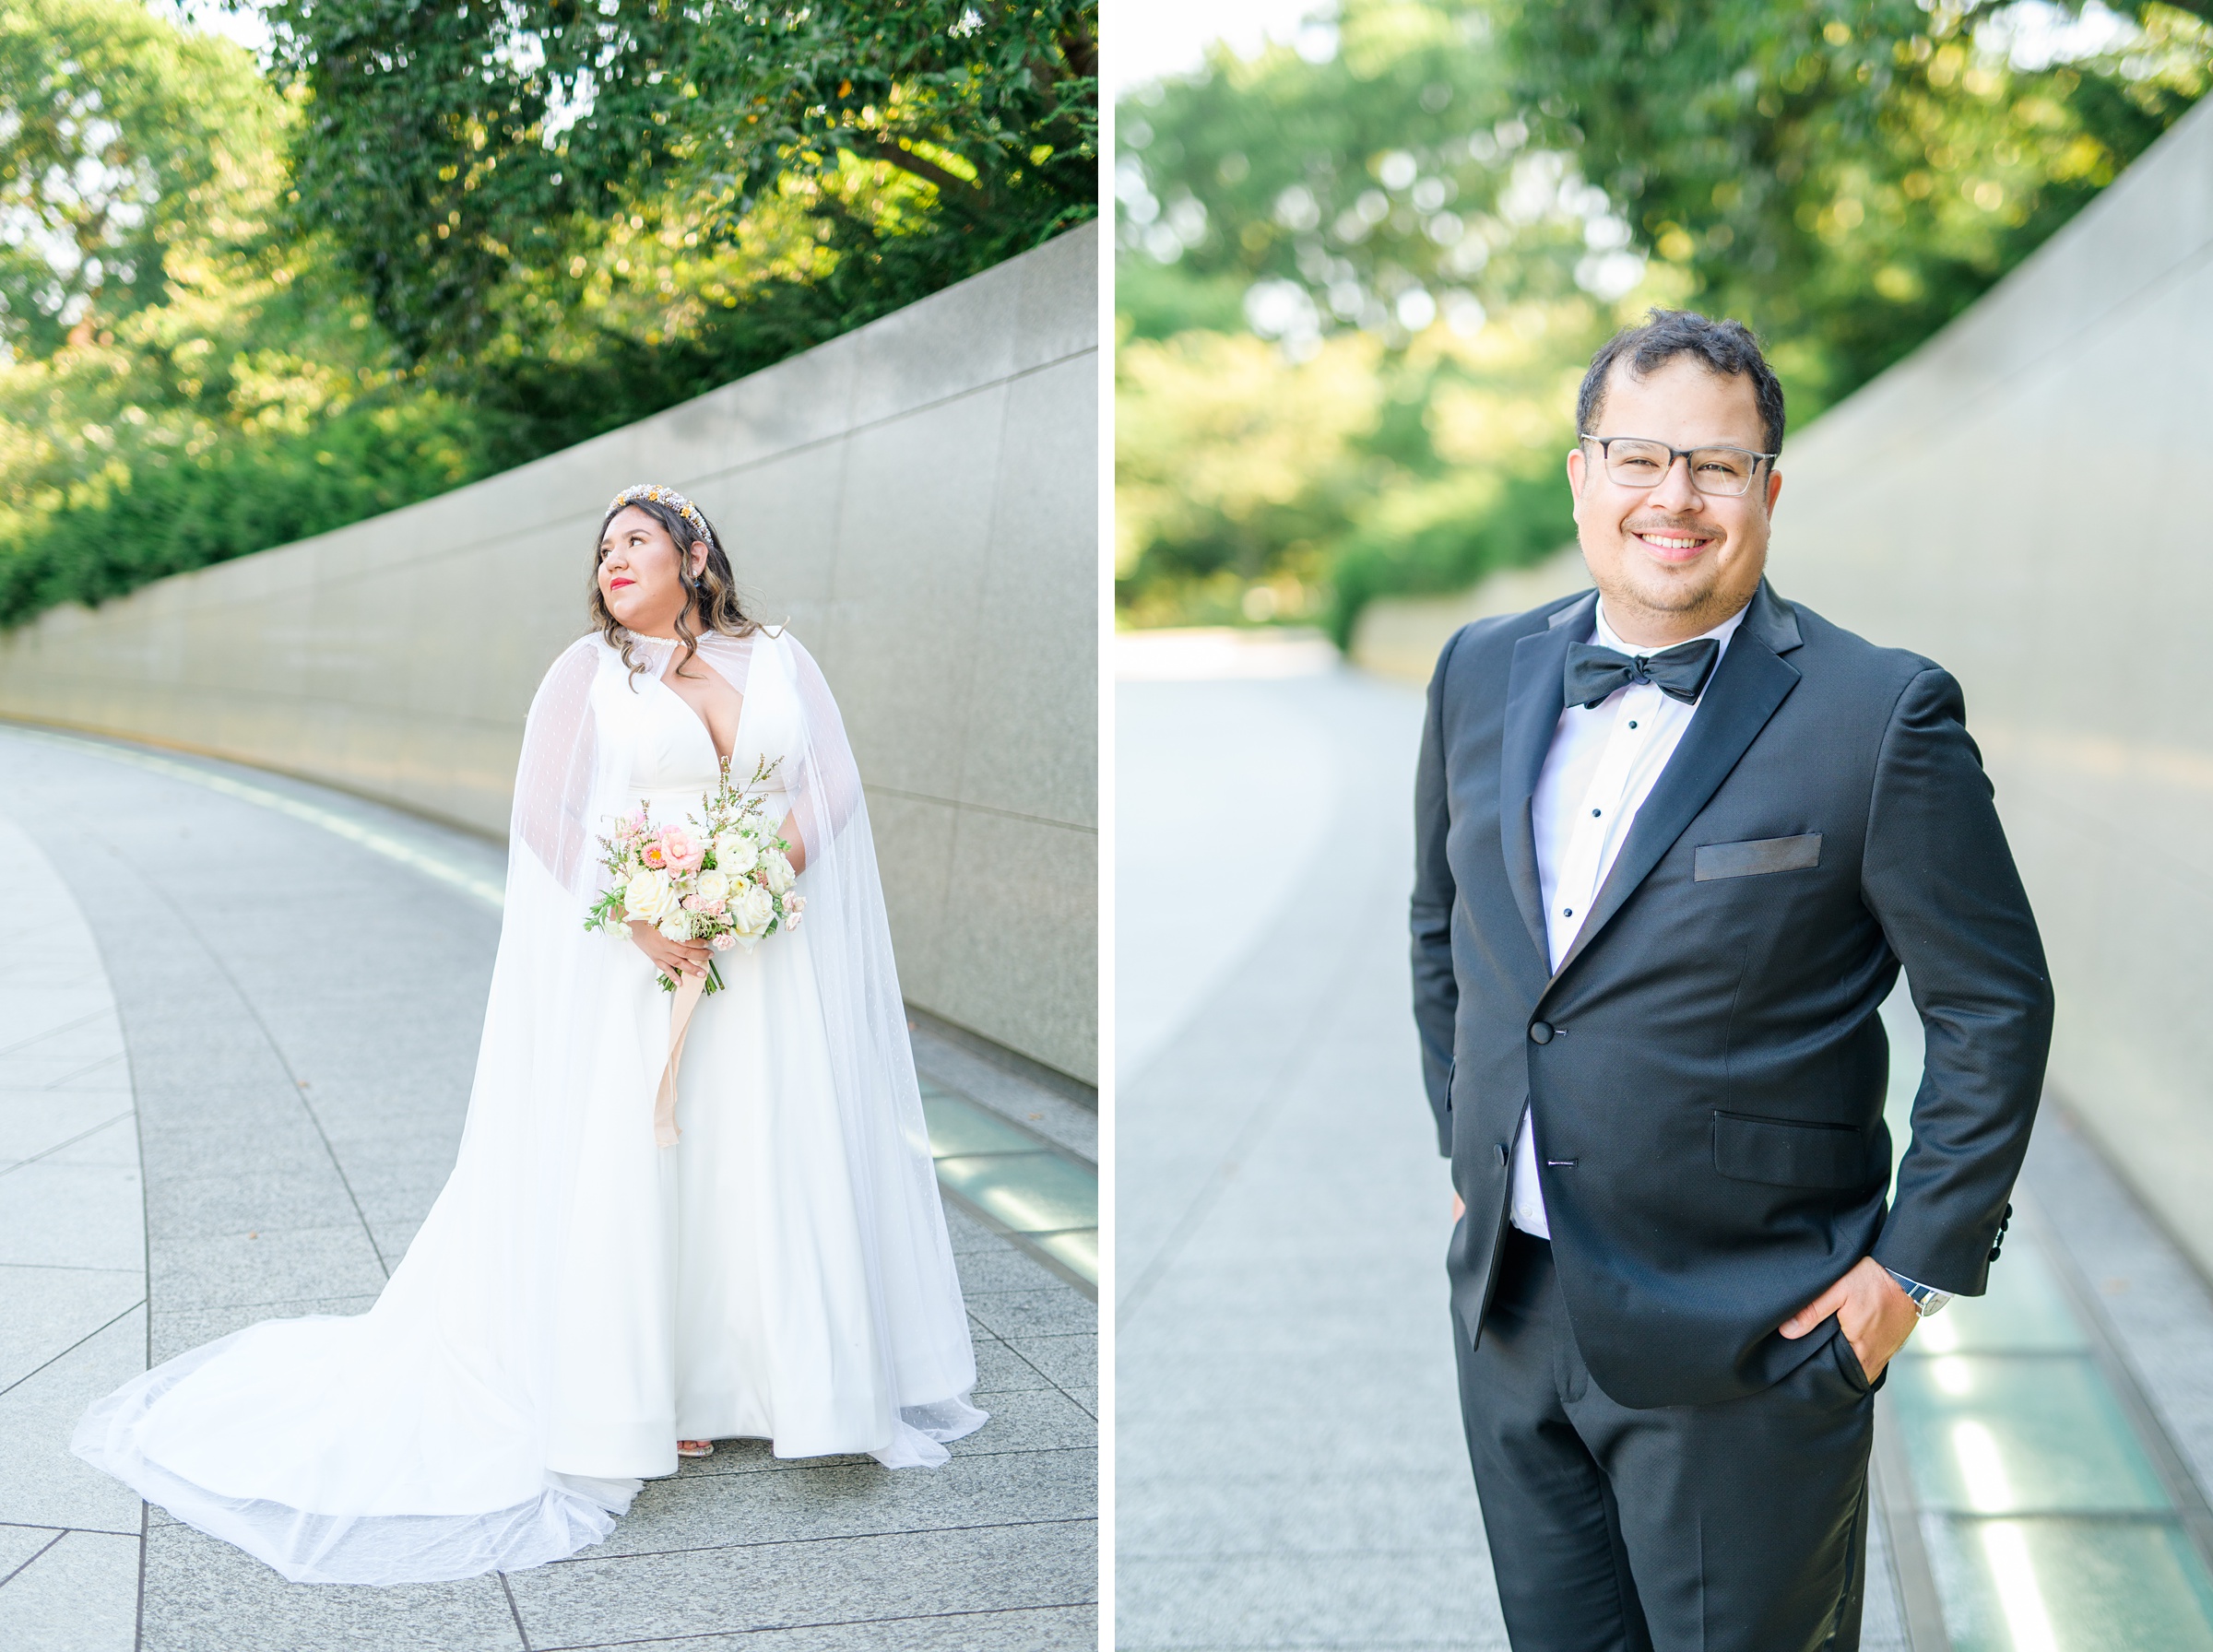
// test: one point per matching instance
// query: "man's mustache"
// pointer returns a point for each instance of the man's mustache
(1661, 524)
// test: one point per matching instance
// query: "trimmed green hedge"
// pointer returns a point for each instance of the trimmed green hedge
(1523, 520)
(175, 513)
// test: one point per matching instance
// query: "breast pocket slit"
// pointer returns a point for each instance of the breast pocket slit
(1755, 856)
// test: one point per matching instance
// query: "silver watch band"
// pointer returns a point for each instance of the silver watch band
(1927, 1298)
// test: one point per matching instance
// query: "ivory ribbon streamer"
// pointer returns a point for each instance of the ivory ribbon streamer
(679, 1023)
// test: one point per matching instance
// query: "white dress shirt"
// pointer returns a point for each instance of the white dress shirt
(1601, 768)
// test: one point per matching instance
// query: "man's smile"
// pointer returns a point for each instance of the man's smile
(1675, 546)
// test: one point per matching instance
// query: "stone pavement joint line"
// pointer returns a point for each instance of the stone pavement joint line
(1016, 1181)
(72, 1267)
(375, 842)
(2046, 1443)
(297, 1119)
(1290, 1471)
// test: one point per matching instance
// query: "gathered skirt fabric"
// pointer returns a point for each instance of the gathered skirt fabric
(719, 1292)
(775, 1339)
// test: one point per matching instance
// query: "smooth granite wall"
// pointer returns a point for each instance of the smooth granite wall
(919, 498)
(2024, 500)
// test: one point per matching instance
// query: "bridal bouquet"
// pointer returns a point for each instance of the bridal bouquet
(723, 879)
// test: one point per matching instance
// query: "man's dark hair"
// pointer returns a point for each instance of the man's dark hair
(1727, 348)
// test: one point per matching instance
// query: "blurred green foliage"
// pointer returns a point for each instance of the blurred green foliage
(428, 241)
(1848, 176)
(1469, 196)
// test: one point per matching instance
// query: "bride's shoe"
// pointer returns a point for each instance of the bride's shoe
(695, 1448)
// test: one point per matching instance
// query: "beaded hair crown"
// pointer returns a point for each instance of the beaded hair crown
(669, 497)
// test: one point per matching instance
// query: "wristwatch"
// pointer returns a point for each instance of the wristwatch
(1927, 1298)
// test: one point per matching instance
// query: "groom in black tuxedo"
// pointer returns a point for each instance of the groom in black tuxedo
(1674, 839)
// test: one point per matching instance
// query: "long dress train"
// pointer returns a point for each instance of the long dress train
(579, 1298)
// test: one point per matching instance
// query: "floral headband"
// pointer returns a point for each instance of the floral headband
(669, 497)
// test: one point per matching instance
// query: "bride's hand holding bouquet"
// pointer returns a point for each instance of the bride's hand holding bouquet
(683, 893)
(673, 959)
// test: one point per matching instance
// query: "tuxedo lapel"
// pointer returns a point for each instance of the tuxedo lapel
(1751, 681)
(1534, 703)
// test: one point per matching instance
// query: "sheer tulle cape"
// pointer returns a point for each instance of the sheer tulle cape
(459, 1426)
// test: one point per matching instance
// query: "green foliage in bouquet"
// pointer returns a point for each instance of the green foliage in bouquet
(723, 878)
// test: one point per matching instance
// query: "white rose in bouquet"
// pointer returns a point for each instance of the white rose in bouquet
(751, 912)
(649, 896)
(658, 876)
(736, 854)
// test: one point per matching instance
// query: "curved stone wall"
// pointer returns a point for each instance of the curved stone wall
(2024, 500)
(918, 497)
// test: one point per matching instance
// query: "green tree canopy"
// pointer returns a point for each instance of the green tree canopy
(441, 238)
(462, 155)
(120, 139)
(1358, 192)
(1480, 190)
(1847, 175)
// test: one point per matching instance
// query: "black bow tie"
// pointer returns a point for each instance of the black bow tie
(1679, 672)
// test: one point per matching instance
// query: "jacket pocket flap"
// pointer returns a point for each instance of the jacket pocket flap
(1709, 861)
(1787, 1154)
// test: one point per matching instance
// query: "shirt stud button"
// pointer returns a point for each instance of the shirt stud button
(1632, 723)
(1567, 912)
(1595, 814)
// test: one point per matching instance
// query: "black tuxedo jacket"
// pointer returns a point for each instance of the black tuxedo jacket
(1706, 1070)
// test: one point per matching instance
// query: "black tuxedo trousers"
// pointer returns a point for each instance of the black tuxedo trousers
(1705, 1072)
(1738, 1527)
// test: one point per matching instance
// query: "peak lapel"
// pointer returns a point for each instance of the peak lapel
(1534, 703)
(1751, 681)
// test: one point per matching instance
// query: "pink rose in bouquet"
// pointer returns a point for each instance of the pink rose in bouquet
(681, 852)
(725, 880)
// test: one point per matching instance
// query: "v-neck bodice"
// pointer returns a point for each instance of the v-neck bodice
(673, 759)
(671, 751)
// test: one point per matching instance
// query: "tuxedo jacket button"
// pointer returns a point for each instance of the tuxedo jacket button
(1540, 1032)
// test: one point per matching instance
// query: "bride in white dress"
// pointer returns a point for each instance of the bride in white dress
(580, 1300)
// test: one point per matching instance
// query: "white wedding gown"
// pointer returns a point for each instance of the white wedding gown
(764, 1316)
(578, 1298)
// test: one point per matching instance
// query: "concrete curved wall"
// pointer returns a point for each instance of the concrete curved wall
(2024, 500)
(919, 497)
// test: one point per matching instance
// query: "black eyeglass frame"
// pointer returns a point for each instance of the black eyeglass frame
(1674, 453)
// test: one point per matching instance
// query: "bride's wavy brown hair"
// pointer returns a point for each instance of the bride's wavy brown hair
(714, 592)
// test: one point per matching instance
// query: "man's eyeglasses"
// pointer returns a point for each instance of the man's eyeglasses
(1638, 462)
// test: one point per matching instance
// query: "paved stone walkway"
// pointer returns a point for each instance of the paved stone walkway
(1288, 1464)
(288, 1013)
(72, 1262)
